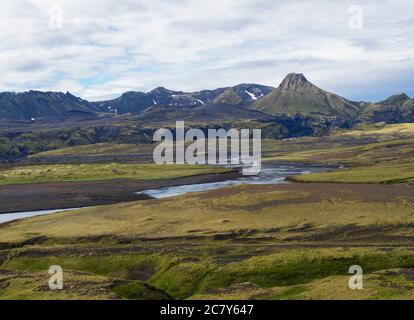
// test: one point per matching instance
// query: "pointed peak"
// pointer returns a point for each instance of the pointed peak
(400, 95)
(69, 94)
(162, 90)
(295, 81)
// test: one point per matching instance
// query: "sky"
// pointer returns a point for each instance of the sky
(98, 49)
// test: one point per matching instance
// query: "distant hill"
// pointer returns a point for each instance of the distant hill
(396, 109)
(296, 95)
(129, 102)
(33, 105)
(135, 102)
(243, 93)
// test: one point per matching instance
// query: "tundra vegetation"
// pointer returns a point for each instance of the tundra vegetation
(290, 241)
(99, 172)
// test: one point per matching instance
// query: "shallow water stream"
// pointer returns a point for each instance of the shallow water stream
(271, 174)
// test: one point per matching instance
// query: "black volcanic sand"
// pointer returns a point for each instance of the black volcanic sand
(62, 195)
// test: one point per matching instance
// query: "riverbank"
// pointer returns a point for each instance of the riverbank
(62, 195)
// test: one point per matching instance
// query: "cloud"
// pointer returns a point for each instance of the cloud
(107, 47)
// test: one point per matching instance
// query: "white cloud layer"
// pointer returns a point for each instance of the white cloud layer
(106, 47)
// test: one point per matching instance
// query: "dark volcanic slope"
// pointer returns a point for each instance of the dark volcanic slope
(297, 95)
(33, 105)
(129, 102)
(216, 112)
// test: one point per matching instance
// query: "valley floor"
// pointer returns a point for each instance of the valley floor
(260, 242)
(291, 241)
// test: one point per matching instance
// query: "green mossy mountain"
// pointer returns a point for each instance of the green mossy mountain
(396, 109)
(296, 95)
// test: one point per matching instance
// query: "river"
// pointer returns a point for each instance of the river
(275, 174)
(270, 174)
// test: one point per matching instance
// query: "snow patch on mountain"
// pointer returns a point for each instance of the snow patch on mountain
(252, 96)
(201, 101)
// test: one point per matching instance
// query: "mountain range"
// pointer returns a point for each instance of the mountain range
(294, 96)
(136, 102)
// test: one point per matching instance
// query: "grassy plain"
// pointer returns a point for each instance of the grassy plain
(261, 242)
(98, 149)
(382, 173)
(99, 172)
(369, 154)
